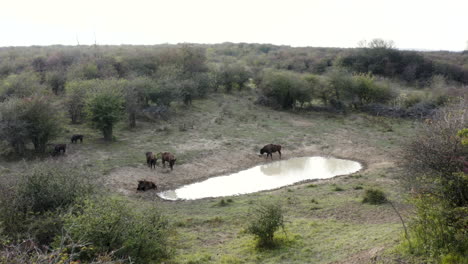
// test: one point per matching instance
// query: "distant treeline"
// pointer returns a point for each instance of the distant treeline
(105, 84)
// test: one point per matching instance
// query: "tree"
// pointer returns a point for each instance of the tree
(21, 85)
(75, 98)
(33, 119)
(341, 83)
(43, 121)
(284, 87)
(365, 90)
(105, 106)
(133, 102)
(13, 129)
(56, 80)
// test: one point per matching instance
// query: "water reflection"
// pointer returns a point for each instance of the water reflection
(265, 177)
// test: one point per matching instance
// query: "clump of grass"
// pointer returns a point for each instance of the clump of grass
(314, 201)
(355, 176)
(223, 202)
(359, 187)
(311, 186)
(374, 196)
(338, 189)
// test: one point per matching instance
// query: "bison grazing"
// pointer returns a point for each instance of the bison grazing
(166, 156)
(151, 160)
(271, 148)
(75, 138)
(146, 185)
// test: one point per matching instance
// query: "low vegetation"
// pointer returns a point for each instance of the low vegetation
(266, 220)
(214, 105)
(438, 180)
(374, 196)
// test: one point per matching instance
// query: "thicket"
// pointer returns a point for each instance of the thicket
(437, 162)
(381, 58)
(338, 89)
(112, 225)
(32, 200)
(53, 212)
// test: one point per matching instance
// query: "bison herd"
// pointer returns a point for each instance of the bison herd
(151, 161)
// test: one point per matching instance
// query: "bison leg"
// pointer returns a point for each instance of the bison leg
(279, 153)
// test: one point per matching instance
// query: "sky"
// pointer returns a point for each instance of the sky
(410, 24)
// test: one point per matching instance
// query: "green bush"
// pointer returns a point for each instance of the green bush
(266, 220)
(438, 230)
(285, 88)
(105, 106)
(112, 225)
(31, 202)
(374, 196)
(33, 119)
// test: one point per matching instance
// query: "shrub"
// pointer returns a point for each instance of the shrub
(35, 119)
(105, 106)
(285, 88)
(30, 202)
(374, 196)
(75, 98)
(112, 225)
(338, 189)
(435, 159)
(266, 220)
(438, 229)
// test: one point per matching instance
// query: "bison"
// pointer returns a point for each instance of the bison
(271, 148)
(151, 160)
(166, 156)
(59, 147)
(75, 138)
(146, 185)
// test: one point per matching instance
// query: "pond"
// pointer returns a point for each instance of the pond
(265, 177)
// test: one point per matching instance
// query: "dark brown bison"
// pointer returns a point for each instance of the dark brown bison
(271, 148)
(75, 138)
(151, 160)
(166, 156)
(58, 148)
(146, 185)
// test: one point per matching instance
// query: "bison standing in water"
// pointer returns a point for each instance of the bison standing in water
(271, 148)
(146, 185)
(151, 160)
(166, 156)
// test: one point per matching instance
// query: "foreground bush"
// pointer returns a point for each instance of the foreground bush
(31, 202)
(266, 220)
(438, 229)
(112, 225)
(437, 160)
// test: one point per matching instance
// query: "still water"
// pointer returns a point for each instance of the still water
(265, 177)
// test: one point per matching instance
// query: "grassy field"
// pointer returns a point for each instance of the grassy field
(326, 222)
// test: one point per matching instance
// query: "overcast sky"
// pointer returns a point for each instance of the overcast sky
(411, 24)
